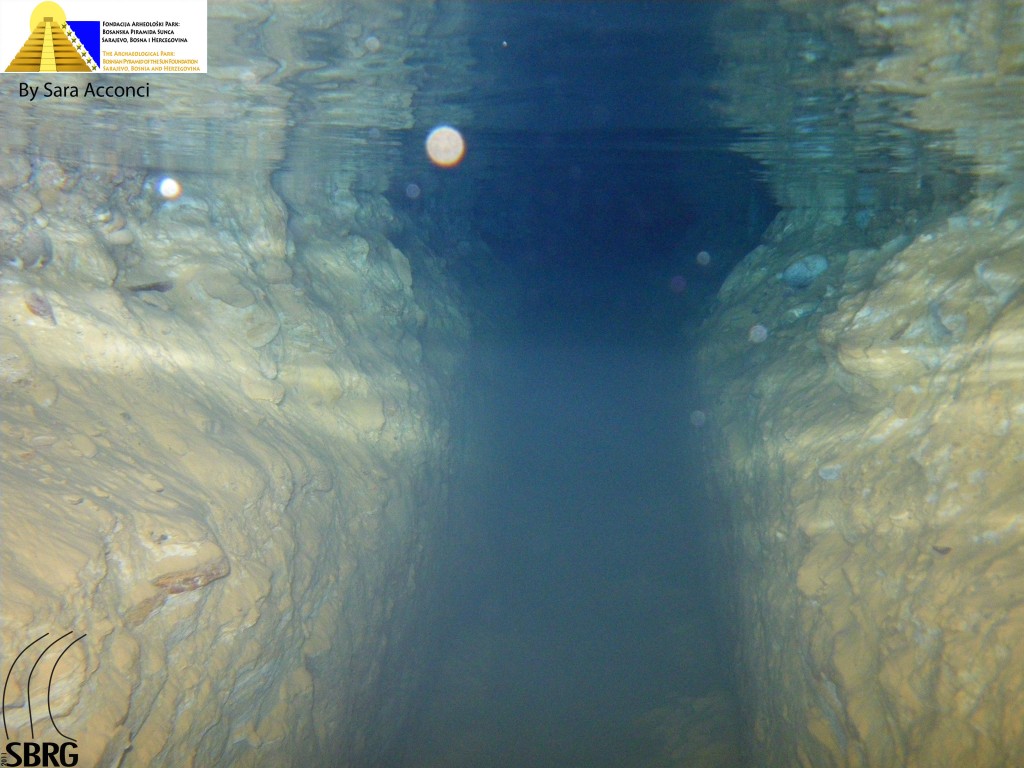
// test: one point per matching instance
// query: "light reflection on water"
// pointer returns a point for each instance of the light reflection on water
(820, 105)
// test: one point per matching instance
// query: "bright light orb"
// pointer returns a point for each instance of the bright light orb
(169, 189)
(445, 146)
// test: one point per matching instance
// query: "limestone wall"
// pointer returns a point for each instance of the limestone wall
(223, 444)
(864, 421)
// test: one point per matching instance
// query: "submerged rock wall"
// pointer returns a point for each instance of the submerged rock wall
(865, 420)
(224, 439)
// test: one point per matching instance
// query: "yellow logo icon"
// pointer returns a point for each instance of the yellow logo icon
(51, 45)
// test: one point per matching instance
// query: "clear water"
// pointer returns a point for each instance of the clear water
(597, 171)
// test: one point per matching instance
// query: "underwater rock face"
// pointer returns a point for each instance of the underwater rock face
(867, 459)
(874, 495)
(179, 490)
(227, 486)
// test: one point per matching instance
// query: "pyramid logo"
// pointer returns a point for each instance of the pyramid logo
(53, 45)
(103, 36)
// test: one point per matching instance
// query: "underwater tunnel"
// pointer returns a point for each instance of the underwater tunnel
(615, 384)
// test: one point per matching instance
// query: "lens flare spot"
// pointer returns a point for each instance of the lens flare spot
(677, 284)
(758, 333)
(169, 189)
(445, 146)
(703, 258)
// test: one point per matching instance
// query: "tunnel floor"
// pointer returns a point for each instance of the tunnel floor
(582, 605)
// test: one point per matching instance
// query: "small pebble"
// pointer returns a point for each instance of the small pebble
(160, 286)
(802, 273)
(44, 393)
(40, 306)
(119, 237)
(152, 483)
(830, 472)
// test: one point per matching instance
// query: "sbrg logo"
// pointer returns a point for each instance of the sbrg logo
(33, 671)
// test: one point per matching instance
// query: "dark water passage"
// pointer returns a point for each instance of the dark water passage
(578, 599)
(597, 169)
(582, 609)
